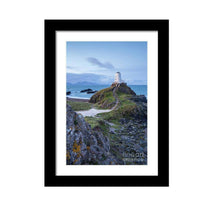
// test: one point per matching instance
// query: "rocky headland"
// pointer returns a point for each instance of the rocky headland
(117, 137)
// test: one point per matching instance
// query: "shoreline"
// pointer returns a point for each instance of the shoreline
(77, 99)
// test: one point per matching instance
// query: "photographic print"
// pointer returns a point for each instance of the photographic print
(106, 103)
(106, 97)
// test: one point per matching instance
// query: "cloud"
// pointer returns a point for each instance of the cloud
(95, 61)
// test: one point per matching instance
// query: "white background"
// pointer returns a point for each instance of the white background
(152, 72)
(194, 101)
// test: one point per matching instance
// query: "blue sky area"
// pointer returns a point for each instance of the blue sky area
(101, 60)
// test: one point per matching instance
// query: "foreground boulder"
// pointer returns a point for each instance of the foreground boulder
(84, 145)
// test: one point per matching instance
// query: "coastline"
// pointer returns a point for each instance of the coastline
(77, 99)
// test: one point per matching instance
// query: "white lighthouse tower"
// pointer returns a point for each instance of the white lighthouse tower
(118, 77)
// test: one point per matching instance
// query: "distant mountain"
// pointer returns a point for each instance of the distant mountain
(83, 83)
(87, 79)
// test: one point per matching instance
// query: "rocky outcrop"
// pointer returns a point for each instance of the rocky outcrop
(123, 88)
(129, 142)
(104, 98)
(117, 137)
(140, 111)
(139, 99)
(84, 145)
(86, 90)
(100, 95)
(93, 91)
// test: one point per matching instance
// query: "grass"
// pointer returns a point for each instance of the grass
(123, 98)
(76, 106)
(125, 109)
(96, 122)
(105, 98)
(99, 107)
(93, 121)
(108, 96)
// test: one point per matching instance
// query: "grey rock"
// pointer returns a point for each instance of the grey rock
(84, 145)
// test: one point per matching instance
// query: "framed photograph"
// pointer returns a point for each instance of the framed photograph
(106, 103)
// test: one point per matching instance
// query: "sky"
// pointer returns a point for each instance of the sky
(102, 60)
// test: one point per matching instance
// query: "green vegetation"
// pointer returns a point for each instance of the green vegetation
(126, 109)
(93, 121)
(99, 107)
(108, 96)
(96, 122)
(103, 99)
(76, 106)
(123, 97)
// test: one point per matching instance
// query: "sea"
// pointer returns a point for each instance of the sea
(75, 90)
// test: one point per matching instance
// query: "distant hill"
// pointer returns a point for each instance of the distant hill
(87, 79)
(83, 83)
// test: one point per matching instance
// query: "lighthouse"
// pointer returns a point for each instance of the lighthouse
(118, 81)
(118, 77)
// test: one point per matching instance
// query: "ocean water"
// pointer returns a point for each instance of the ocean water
(75, 90)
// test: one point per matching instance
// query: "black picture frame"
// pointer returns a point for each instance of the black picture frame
(162, 27)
